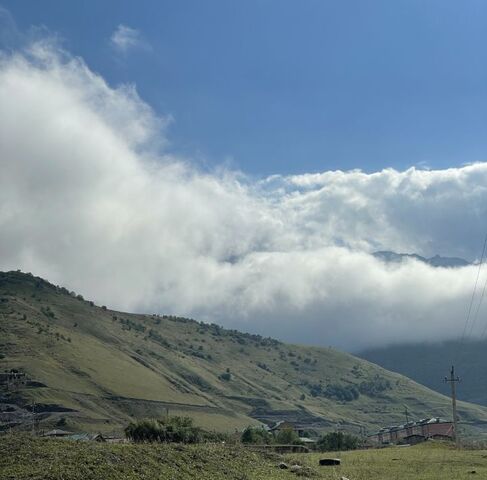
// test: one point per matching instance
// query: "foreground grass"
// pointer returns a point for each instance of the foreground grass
(23, 457)
(429, 461)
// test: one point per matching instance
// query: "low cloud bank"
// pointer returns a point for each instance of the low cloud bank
(91, 198)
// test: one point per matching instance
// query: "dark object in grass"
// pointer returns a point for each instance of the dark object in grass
(330, 461)
(283, 466)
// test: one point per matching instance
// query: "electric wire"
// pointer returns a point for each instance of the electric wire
(469, 311)
(467, 319)
(477, 310)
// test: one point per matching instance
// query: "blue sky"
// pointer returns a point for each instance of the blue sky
(295, 86)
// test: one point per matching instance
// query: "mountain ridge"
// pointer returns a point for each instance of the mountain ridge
(435, 261)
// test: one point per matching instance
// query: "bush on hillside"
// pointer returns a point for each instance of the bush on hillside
(375, 386)
(344, 393)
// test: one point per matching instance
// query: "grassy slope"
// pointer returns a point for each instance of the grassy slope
(26, 457)
(108, 372)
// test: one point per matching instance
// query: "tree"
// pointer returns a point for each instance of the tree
(256, 436)
(335, 441)
(288, 436)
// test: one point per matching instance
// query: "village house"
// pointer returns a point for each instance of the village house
(285, 425)
(414, 432)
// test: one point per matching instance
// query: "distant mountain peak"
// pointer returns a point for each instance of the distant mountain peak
(436, 261)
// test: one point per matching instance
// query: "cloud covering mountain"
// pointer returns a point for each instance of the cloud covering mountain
(92, 198)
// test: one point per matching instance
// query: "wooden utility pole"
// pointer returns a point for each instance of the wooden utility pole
(453, 380)
(33, 417)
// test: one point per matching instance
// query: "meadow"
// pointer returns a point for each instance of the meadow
(23, 457)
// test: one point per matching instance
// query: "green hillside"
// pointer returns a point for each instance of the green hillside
(92, 368)
(428, 363)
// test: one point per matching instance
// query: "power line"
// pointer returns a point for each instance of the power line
(467, 319)
(478, 310)
(484, 331)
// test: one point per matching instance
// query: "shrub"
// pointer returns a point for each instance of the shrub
(375, 386)
(344, 393)
(256, 436)
(263, 366)
(174, 429)
(227, 376)
(153, 335)
(48, 312)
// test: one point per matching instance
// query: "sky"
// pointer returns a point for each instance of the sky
(241, 165)
(290, 86)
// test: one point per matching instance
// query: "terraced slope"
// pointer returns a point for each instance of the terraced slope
(93, 368)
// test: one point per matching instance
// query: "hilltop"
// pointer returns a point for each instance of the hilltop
(93, 368)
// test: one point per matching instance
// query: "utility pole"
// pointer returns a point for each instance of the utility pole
(33, 417)
(406, 413)
(453, 380)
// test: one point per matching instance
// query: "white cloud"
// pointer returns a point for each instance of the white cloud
(87, 201)
(125, 39)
